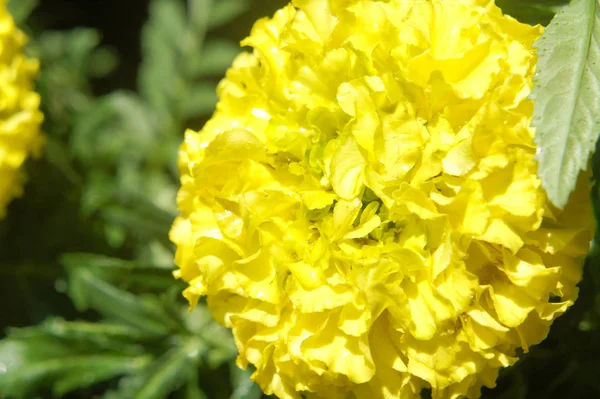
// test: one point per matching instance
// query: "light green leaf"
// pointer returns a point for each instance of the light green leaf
(99, 333)
(217, 55)
(166, 374)
(21, 9)
(224, 11)
(200, 100)
(119, 127)
(244, 387)
(93, 369)
(566, 92)
(163, 39)
(170, 374)
(199, 11)
(34, 360)
(96, 260)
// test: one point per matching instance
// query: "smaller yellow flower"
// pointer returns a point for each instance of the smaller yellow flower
(20, 117)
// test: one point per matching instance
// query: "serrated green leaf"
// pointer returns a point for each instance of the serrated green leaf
(217, 55)
(224, 11)
(119, 127)
(163, 38)
(200, 100)
(566, 92)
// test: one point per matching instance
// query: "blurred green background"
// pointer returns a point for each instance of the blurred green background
(85, 259)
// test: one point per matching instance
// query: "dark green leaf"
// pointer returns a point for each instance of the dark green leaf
(192, 390)
(567, 88)
(88, 291)
(57, 155)
(532, 11)
(136, 222)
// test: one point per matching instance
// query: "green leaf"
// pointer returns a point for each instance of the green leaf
(149, 276)
(35, 360)
(21, 9)
(532, 11)
(166, 374)
(136, 222)
(102, 334)
(88, 291)
(103, 261)
(224, 11)
(566, 92)
(172, 371)
(199, 11)
(217, 55)
(200, 100)
(244, 387)
(102, 62)
(118, 128)
(58, 155)
(192, 390)
(162, 41)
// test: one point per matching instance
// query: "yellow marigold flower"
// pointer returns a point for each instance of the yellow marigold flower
(363, 209)
(20, 118)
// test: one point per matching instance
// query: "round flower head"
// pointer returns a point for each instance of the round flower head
(20, 118)
(363, 209)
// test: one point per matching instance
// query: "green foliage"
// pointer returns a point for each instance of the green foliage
(94, 222)
(567, 87)
(532, 12)
(112, 159)
(21, 10)
(149, 345)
